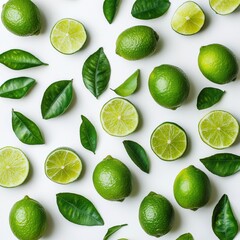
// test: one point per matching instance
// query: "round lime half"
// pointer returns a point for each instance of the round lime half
(68, 36)
(224, 7)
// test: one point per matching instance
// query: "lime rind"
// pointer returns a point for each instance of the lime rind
(119, 117)
(188, 19)
(68, 36)
(218, 129)
(63, 166)
(224, 7)
(169, 141)
(14, 167)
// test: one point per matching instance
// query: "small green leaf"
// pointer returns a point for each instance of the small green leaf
(222, 164)
(96, 72)
(26, 130)
(110, 8)
(88, 135)
(112, 230)
(78, 209)
(185, 236)
(16, 87)
(149, 9)
(137, 154)
(56, 99)
(224, 223)
(208, 97)
(17, 59)
(129, 86)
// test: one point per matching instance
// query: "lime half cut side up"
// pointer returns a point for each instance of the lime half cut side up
(68, 36)
(14, 167)
(224, 7)
(63, 166)
(119, 117)
(188, 19)
(169, 141)
(218, 129)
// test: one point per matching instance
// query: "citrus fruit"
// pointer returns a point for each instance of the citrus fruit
(168, 86)
(217, 63)
(68, 36)
(185, 236)
(21, 17)
(188, 19)
(218, 129)
(136, 42)
(156, 215)
(168, 141)
(14, 167)
(224, 7)
(63, 166)
(192, 188)
(112, 179)
(119, 117)
(28, 219)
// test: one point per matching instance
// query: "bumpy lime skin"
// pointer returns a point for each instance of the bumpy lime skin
(21, 17)
(217, 63)
(169, 86)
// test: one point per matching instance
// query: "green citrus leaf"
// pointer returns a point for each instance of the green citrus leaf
(137, 154)
(129, 86)
(17, 59)
(78, 209)
(112, 230)
(88, 135)
(16, 87)
(149, 9)
(110, 8)
(208, 97)
(185, 236)
(96, 72)
(56, 99)
(224, 224)
(222, 164)
(26, 130)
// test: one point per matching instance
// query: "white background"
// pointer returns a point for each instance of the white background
(173, 48)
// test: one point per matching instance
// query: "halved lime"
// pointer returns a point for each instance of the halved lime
(218, 129)
(188, 19)
(68, 36)
(63, 166)
(169, 141)
(14, 167)
(119, 117)
(224, 7)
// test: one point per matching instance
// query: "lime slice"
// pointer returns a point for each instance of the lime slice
(119, 117)
(169, 141)
(14, 167)
(188, 19)
(63, 166)
(68, 36)
(218, 129)
(224, 7)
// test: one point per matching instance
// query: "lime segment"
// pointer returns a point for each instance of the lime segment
(188, 19)
(68, 36)
(14, 167)
(119, 117)
(218, 129)
(63, 166)
(169, 141)
(224, 7)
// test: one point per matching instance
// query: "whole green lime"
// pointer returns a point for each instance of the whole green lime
(217, 63)
(192, 188)
(112, 179)
(28, 219)
(136, 42)
(168, 86)
(156, 215)
(21, 17)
